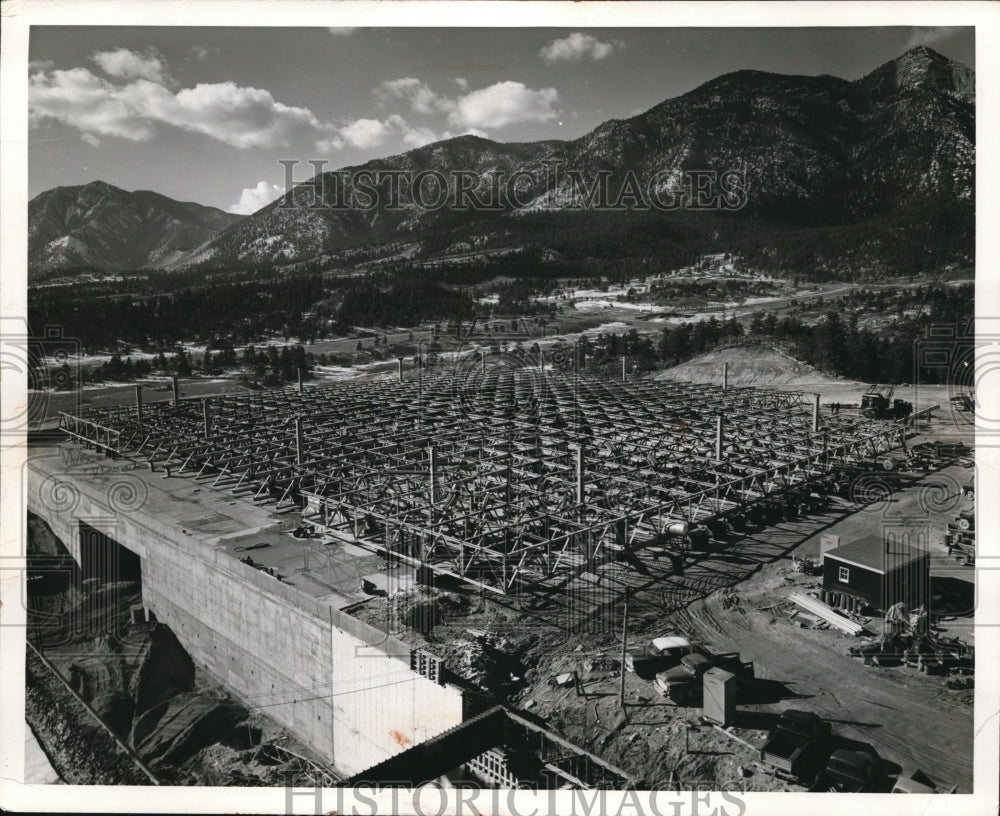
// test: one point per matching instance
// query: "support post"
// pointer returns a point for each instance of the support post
(580, 494)
(482, 362)
(725, 376)
(816, 413)
(300, 379)
(138, 403)
(299, 443)
(718, 438)
(624, 375)
(207, 417)
(432, 452)
(177, 393)
(399, 367)
(621, 687)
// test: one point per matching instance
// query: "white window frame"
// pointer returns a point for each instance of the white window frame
(844, 575)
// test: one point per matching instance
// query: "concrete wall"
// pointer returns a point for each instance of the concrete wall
(338, 684)
(381, 707)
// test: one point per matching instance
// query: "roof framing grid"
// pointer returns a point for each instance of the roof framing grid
(502, 478)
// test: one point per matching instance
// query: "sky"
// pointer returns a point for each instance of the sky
(207, 114)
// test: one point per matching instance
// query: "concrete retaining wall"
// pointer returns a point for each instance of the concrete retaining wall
(341, 686)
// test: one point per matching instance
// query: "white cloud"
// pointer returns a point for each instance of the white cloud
(341, 31)
(929, 37)
(243, 117)
(416, 136)
(498, 105)
(577, 46)
(87, 102)
(417, 93)
(125, 64)
(253, 198)
(502, 104)
(368, 133)
(365, 133)
(200, 53)
(330, 144)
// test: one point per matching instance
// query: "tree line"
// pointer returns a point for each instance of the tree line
(269, 366)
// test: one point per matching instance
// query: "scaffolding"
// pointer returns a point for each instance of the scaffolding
(503, 478)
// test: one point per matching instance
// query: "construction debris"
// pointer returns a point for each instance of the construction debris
(821, 610)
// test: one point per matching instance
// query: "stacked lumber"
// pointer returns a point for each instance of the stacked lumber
(821, 610)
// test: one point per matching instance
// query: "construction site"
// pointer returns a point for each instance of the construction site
(633, 581)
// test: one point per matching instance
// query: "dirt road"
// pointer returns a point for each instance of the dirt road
(910, 719)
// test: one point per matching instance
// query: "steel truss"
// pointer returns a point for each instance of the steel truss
(502, 478)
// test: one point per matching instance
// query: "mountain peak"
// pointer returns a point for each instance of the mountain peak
(99, 224)
(921, 68)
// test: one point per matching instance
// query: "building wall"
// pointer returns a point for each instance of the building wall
(861, 583)
(909, 584)
(321, 674)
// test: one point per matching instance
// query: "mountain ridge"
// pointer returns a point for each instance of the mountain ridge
(894, 147)
(99, 224)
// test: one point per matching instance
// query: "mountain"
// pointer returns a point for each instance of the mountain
(811, 174)
(881, 168)
(100, 225)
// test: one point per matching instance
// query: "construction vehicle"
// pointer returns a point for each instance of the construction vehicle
(853, 771)
(965, 520)
(798, 744)
(679, 536)
(875, 404)
(940, 655)
(683, 683)
(657, 656)
(962, 402)
(963, 552)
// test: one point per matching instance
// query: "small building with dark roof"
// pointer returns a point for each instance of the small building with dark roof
(877, 571)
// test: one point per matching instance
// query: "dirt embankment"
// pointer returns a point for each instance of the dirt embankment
(764, 367)
(81, 752)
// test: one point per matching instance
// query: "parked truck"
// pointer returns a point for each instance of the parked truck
(657, 656)
(961, 550)
(683, 683)
(853, 771)
(875, 404)
(966, 520)
(798, 744)
(962, 402)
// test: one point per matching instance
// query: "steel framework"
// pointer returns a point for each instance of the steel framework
(500, 477)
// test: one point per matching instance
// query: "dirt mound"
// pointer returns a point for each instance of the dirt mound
(176, 729)
(491, 662)
(762, 366)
